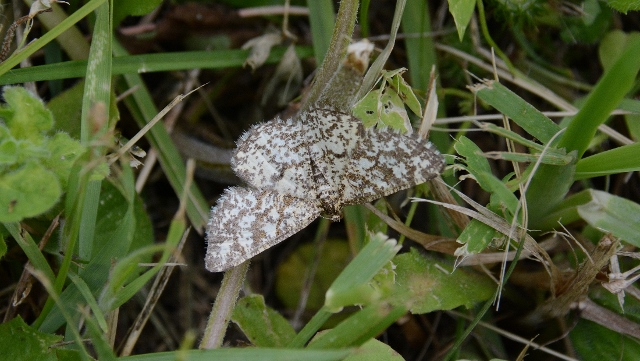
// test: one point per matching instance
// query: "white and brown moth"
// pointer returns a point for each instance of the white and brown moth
(302, 168)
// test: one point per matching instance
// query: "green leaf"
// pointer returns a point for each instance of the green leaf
(610, 213)
(401, 87)
(478, 166)
(423, 286)
(516, 108)
(353, 284)
(367, 108)
(322, 21)
(461, 10)
(29, 117)
(618, 160)
(21, 342)
(67, 108)
(612, 87)
(262, 325)
(624, 6)
(391, 111)
(64, 152)
(124, 8)
(374, 350)
(475, 237)
(27, 192)
(359, 328)
(597, 343)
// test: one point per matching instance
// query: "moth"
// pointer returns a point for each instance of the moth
(301, 168)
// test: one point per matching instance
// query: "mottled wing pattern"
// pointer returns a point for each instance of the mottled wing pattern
(274, 155)
(332, 137)
(385, 162)
(246, 221)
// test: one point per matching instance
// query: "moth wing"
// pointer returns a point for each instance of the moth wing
(385, 162)
(274, 155)
(332, 138)
(246, 222)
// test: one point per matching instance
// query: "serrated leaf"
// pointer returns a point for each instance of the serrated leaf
(27, 192)
(29, 117)
(624, 6)
(21, 342)
(423, 285)
(263, 326)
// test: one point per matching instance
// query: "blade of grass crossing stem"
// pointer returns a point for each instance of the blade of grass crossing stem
(148, 63)
(609, 91)
(37, 44)
(142, 104)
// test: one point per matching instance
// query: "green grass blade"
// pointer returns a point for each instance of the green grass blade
(30, 248)
(147, 63)
(605, 97)
(50, 35)
(322, 19)
(516, 108)
(618, 160)
(421, 54)
(143, 109)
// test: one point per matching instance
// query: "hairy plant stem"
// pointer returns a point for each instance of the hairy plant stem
(223, 307)
(345, 23)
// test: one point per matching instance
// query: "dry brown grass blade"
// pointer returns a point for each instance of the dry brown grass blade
(572, 291)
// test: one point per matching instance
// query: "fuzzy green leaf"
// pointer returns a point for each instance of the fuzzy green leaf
(423, 286)
(29, 116)
(19, 341)
(262, 325)
(27, 192)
